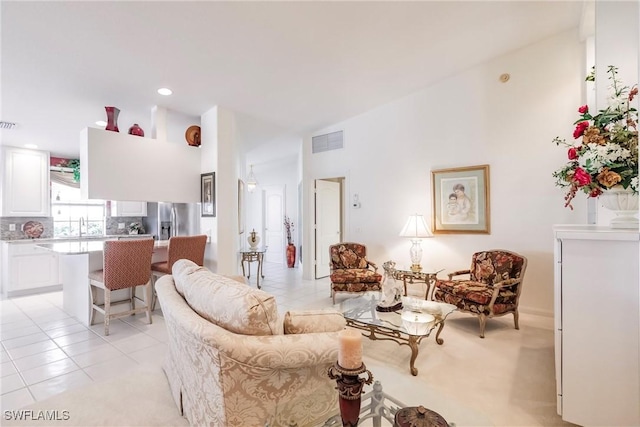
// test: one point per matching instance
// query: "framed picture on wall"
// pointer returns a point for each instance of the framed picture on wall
(208, 194)
(461, 200)
(240, 206)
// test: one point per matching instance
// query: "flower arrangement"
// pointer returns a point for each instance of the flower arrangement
(607, 155)
(135, 227)
(288, 226)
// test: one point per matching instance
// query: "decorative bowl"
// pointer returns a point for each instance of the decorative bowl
(422, 305)
(417, 323)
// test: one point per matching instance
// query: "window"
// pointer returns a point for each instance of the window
(69, 211)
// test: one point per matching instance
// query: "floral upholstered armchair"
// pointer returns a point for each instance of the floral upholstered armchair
(493, 288)
(351, 271)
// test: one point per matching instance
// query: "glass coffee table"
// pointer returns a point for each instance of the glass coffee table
(406, 326)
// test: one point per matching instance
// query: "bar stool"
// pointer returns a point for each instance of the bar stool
(180, 247)
(127, 264)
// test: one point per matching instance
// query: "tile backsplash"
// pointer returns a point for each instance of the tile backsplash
(18, 221)
(111, 226)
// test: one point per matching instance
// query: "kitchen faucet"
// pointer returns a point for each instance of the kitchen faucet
(80, 224)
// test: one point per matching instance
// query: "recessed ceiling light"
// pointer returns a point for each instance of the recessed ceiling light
(30, 146)
(101, 123)
(164, 91)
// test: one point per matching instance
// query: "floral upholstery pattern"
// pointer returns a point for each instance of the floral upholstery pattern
(221, 378)
(493, 287)
(351, 271)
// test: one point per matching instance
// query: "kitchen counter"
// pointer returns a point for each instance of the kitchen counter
(88, 238)
(77, 247)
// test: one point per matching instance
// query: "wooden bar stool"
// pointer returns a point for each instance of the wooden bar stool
(127, 264)
(180, 247)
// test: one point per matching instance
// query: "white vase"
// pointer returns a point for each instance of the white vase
(253, 239)
(624, 204)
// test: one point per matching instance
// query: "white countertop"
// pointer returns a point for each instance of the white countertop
(78, 247)
(78, 239)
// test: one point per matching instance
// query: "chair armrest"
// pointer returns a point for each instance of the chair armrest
(458, 273)
(372, 264)
(506, 283)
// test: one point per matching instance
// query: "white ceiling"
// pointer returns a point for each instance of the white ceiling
(288, 67)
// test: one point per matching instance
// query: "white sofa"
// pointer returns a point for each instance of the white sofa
(232, 361)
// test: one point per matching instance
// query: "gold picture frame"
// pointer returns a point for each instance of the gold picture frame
(461, 200)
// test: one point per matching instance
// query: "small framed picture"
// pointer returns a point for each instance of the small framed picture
(461, 200)
(208, 193)
(240, 206)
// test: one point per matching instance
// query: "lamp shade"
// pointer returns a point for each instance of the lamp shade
(416, 227)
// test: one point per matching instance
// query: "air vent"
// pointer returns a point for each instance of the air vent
(327, 142)
(7, 125)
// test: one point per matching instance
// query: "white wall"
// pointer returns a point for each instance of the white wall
(468, 119)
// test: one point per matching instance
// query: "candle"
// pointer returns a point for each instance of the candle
(350, 349)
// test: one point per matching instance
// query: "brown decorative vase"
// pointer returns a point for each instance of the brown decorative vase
(291, 255)
(136, 130)
(112, 118)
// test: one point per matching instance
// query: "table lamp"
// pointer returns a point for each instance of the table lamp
(416, 229)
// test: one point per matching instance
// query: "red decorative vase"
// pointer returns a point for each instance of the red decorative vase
(136, 130)
(112, 119)
(291, 255)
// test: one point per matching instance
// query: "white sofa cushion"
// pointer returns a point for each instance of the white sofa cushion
(227, 303)
(308, 321)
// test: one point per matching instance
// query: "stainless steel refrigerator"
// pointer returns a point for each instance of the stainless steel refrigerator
(172, 219)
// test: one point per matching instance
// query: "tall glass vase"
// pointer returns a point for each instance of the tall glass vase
(112, 119)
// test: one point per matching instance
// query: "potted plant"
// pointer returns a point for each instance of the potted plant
(291, 248)
(134, 228)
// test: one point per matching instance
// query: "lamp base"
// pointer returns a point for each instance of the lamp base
(416, 268)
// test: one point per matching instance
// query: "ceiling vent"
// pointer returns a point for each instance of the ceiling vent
(327, 142)
(7, 125)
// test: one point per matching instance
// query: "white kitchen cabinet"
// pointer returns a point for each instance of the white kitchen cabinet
(597, 325)
(27, 268)
(25, 182)
(128, 208)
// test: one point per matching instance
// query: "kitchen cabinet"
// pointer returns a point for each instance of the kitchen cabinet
(25, 182)
(128, 208)
(597, 325)
(28, 268)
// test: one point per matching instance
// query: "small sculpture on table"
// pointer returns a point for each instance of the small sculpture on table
(391, 290)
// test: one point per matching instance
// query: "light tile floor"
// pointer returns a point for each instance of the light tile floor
(44, 351)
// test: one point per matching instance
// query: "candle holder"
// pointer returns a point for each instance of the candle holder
(350, 390)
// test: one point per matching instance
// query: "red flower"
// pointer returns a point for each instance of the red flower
(580, 128)
(595, 192)
(581, 177)
(583, 109)
(573, 153)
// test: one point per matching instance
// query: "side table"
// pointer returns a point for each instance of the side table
(377, 406)
(409, 277)
(250, 255)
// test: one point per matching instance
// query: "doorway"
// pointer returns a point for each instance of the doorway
(327, 220)
(273, 208)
